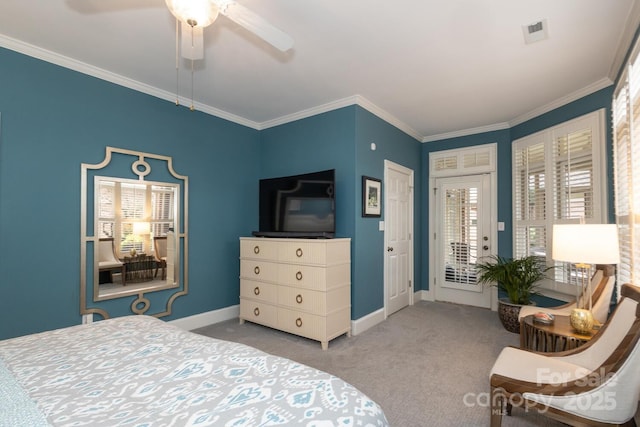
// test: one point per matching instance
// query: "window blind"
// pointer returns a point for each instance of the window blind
(557, 179)
(626, 154)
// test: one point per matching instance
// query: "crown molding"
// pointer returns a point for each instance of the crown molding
(594, 87)
(581, 93)
(387, 117)
(626, 39)
(466, 132)
(340, 103)
(82, 67)
(63, 61)
(309, 112)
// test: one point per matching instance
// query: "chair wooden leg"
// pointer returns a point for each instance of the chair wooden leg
(497, 406)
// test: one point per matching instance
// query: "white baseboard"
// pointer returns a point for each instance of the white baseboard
(360, 325)
(207, 318)
(423, 296)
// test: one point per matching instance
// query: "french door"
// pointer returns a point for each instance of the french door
(462, 238)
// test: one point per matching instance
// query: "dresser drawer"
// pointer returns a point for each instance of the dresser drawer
(303, 252)
(305, 324)
(258, 291)
(311, 277)
(303, 299)
(258, 270)
(316, 252)
(265, 314)
(259, 249)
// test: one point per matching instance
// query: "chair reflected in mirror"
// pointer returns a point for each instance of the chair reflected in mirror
(160, 252)
(108, 259)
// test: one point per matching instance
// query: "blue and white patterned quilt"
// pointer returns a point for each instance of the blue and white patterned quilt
(140, 371)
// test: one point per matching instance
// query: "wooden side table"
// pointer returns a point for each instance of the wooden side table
(139, 268)
(551, 338)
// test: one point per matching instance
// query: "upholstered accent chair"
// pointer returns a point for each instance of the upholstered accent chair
(108, 259)
(595, 384)
(160, 252)
(602, 285)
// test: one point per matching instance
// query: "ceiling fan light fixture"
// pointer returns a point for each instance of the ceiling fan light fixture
(196, 13)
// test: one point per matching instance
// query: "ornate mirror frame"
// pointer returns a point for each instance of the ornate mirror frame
(133, 168)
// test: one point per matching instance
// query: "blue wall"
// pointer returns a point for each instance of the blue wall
(503, 142)
(587, 104)
(53, 119)
(340, 139)
(368, 259)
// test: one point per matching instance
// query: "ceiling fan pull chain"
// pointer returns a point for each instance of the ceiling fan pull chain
(192, 86)
(192, 25)
(177, 63)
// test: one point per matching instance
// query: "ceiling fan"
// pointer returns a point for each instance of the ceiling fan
(195, 15)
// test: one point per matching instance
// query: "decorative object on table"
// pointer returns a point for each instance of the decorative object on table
(581, 320)
(559, 336)
(371, 197)
(518, 278)
(544, 318)
(603, 282)
(584, 245)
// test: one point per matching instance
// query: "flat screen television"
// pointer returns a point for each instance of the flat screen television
(301, 206)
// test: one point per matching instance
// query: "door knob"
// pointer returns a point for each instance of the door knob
(389, 249)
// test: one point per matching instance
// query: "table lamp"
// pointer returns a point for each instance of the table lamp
(140, 229)
(585, 245)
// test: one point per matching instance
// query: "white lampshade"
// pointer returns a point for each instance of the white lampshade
(141, 228)
(586, 243)
(197, 13)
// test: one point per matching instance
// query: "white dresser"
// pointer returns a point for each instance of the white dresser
(301, 286)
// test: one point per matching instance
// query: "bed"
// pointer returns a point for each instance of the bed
(141, 371)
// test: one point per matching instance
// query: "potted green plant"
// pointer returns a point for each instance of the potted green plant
(518, 278)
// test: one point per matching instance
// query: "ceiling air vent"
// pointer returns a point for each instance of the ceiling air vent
(535, 32)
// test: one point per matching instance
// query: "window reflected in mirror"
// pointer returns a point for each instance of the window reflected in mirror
(133, 235)
(138, 219)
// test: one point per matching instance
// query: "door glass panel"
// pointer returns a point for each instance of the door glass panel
(461, 234)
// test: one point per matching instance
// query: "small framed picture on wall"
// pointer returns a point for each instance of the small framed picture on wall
(371, 196)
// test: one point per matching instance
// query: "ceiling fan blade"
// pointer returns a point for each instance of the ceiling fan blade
(192, 42)
(256, 24)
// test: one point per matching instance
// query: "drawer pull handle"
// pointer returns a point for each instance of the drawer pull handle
(299, 275)
(256, 311)
(299, 299)
(256, 290)
(299, 252)
(256, 270)
(299, 322)
(256, 249)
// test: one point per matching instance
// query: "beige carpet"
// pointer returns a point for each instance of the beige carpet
(426, 365)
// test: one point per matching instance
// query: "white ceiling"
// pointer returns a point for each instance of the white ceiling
(433, 68)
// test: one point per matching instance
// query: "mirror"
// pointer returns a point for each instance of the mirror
(133, 233)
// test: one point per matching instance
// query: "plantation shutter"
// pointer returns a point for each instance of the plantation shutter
(529, 199)
(133, 203)
(162, 209)
(106, 209)
(460, 238)
(557, 178)
(626, 151)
